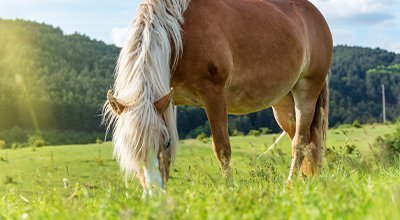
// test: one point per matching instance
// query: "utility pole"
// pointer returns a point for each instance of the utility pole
(383, 104)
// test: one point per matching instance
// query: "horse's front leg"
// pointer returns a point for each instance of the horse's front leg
(215, 104)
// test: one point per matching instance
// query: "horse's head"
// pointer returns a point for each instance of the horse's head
(154, 172)
(164, 154)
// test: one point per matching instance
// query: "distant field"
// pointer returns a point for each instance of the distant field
(350, 186)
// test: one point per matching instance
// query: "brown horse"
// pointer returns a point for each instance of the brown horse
(229, 57)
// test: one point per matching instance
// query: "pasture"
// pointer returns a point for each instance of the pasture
(354, 183)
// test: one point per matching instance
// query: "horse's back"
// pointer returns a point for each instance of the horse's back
(256, 49)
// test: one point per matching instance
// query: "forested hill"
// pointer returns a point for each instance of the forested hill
(355, 84)
(60, 80)
(50, 81)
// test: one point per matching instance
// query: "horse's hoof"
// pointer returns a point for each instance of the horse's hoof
(153, 192)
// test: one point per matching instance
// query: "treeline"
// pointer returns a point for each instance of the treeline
(53, 84)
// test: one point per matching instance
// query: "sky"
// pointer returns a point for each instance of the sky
(371, 23)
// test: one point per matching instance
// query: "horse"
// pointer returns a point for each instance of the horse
(228, 57)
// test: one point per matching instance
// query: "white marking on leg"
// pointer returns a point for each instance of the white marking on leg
(292, 168)
(153, 178)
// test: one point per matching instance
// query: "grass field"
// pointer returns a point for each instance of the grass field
(351, 186)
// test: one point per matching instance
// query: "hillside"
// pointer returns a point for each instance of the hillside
(50, 81)
(356, 84)
(63, 77)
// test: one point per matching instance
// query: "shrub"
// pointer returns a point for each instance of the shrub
(393, 145)
(2, 144)
(99, 141)
(36, 141)
(265, 130)
(14, 146)
(235, 132)
(203, 138)
(254, 133)
(356, 124)
(389, 147)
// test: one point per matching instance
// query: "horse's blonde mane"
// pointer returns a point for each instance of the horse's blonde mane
(143, 76)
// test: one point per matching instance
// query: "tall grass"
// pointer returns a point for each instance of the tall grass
(352, 184)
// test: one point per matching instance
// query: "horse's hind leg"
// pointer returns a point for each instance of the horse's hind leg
(305, 95)
(285, 115)
(216, 108)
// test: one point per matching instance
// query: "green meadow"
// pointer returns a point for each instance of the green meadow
(354, 182)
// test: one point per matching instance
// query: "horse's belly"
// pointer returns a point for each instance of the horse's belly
(247, 106)
(242, 98)
(258, 94)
